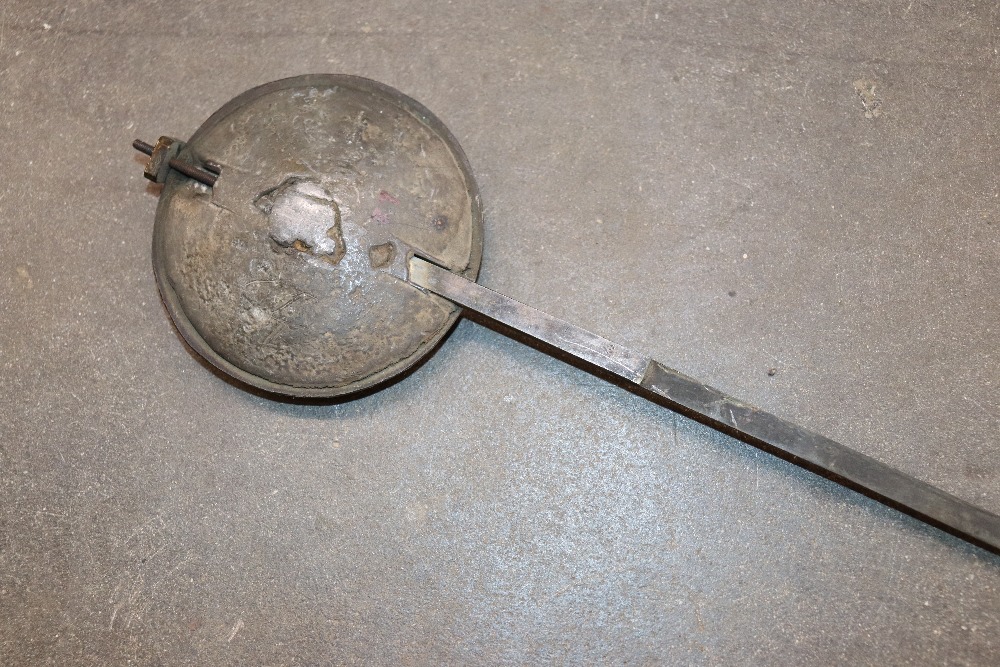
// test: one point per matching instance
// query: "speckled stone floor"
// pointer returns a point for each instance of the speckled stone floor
(796, 202)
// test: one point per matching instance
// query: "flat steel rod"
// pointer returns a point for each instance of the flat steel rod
(724, 413)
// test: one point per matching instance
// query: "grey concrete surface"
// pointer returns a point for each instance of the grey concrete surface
(731, 187)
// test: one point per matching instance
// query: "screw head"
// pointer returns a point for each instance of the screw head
(158, 165)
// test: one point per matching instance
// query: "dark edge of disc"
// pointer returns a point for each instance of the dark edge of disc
(386, 375)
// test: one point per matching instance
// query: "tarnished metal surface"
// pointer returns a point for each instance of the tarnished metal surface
(731, 416)
(273, 274)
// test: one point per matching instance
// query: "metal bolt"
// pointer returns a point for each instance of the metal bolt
(155, 171)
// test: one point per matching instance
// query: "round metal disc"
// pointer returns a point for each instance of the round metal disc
(277, 274)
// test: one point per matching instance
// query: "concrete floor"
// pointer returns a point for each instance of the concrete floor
(731, 187)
